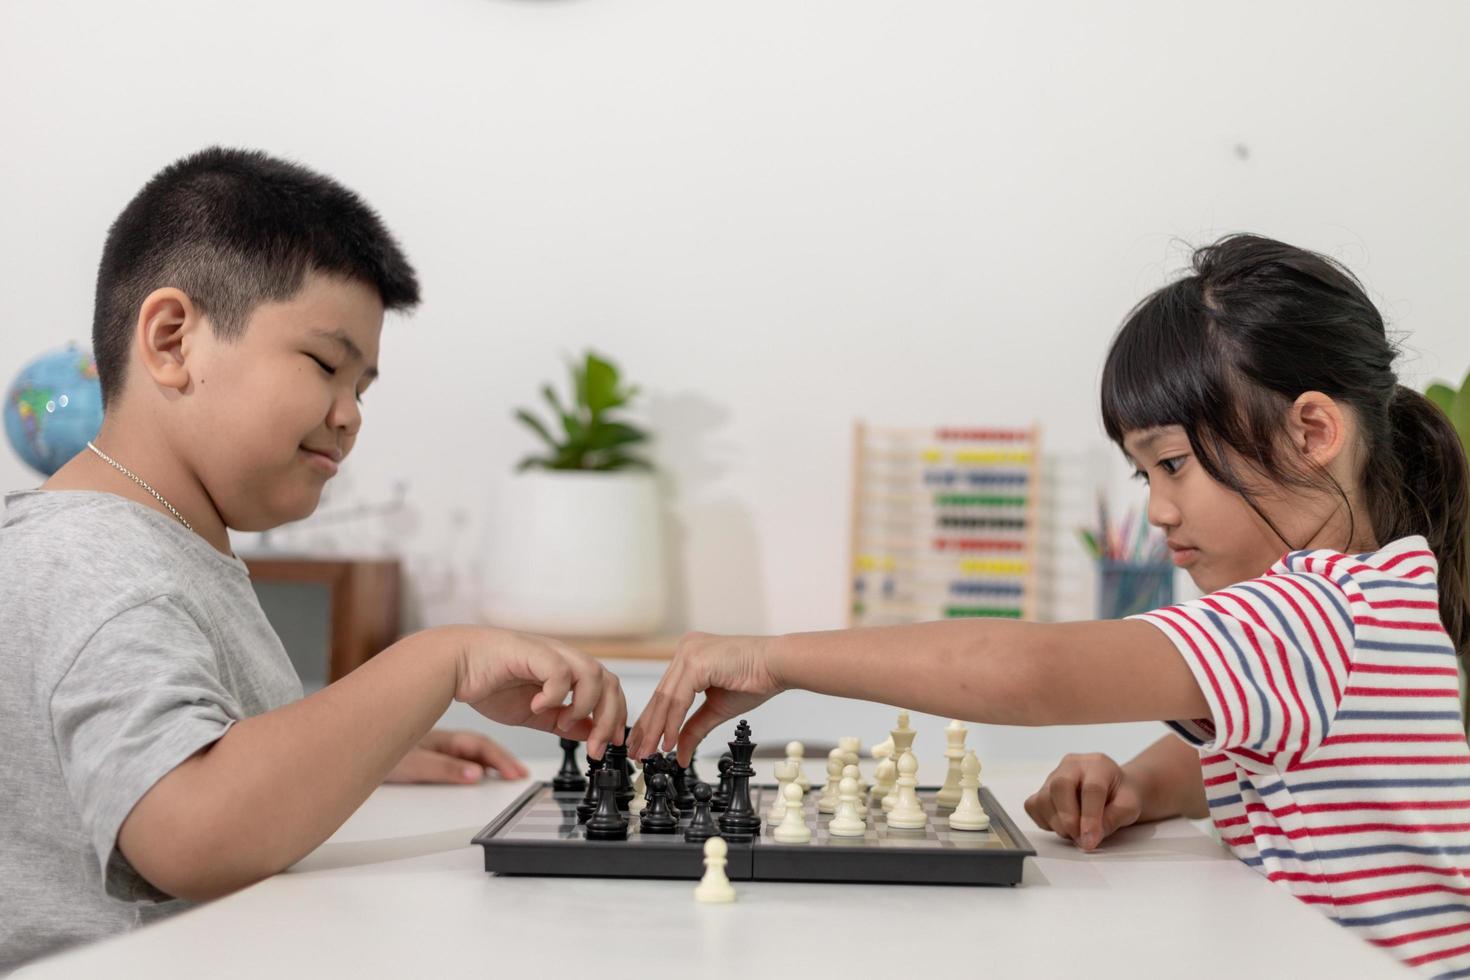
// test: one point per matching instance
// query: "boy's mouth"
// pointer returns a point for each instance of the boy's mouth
(326, 459)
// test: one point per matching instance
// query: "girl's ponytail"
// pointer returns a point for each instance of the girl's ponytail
(1432, 498)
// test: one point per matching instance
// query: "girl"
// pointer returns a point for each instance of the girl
(1312, 692)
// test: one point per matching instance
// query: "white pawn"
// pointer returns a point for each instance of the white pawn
(969, 815)
(785, 774)
(846, 822)
(851, 745)
(851, 772)
(883, 789)
(827, 802)
(949, 793)
(640, 790)
(793, 828)
(907, 812)
(715, 885)
(795, 752)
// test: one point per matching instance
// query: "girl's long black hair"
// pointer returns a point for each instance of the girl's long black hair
(1225, 352)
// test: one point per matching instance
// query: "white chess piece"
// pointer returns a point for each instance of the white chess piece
(903, 741)
(949, 793)
(887, 777)
(882, 750)
(785, 775)
(969, 815)
(793, 828)
(715, 885)
(851, 745)
(795, 752)
(846, 822)
(640, 789)
(851, 772)
(907, 813)
(827, 802)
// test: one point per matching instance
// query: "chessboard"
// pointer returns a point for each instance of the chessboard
(539, 835)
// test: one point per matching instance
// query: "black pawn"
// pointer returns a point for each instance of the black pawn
(722, 794)
(657, 817)
(588, 806)
(703, 826)
(569, 777)
(616, 759)
(683, 798)
(607, 821)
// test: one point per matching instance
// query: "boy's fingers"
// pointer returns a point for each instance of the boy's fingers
(1064, 803)
(587, 692)
(554, 688)
(424, 766)
(1094, 798)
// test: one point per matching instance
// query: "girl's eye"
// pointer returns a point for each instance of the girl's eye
(322, 364)
(1140, 475)
(1172, 464)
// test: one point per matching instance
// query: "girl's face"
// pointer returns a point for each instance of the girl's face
(1212, 532)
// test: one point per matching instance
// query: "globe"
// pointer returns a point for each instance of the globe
(53, 407)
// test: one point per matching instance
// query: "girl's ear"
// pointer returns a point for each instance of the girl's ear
(1318, 428)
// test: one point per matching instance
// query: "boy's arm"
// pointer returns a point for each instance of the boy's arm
(1012, 673)
(275, 786)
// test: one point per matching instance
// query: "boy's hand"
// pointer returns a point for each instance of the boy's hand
(735, 674)
(454, 757)
(521, 679)
(1085, 799)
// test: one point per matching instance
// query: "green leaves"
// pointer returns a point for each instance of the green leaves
(588, 438)
(1456, 405)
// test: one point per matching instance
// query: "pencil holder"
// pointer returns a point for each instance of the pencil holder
(1127, 588)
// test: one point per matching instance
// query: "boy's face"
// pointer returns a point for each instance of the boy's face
(277, 407)
(1213, 533)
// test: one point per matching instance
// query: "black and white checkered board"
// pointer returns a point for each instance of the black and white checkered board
(538, 834)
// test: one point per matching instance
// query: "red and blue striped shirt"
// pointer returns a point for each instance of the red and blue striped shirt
(1335, 759)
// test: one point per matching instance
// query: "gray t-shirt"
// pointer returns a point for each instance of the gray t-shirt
(127, 643)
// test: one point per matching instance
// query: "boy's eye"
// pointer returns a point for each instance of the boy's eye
(322, 364)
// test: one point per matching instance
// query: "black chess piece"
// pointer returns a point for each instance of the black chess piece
(569, 777)
(657, 817)
(690, 776)
(588, 806)
(616, 759)
(739, 822)
(722, 792)
(607, 821)
(703, 826)
(683, 798)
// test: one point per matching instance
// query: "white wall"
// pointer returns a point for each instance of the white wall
(776, 215)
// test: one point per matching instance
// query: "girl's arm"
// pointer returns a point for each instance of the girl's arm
(1002, 672)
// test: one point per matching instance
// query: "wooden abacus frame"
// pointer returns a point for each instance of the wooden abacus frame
(923, 548)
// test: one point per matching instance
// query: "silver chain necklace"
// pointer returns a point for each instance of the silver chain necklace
(134, 477)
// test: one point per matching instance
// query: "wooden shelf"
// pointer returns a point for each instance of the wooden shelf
(364, 601)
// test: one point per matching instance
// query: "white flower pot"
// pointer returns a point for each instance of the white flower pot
(574, 553)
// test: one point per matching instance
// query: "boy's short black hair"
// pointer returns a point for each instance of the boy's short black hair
(234, 229)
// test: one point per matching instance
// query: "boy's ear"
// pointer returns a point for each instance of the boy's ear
(167, 321)
(1318, 427)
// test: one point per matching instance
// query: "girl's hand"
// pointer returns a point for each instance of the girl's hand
(521, 679)
(735, 675)
(1085, 799)
(454, 757)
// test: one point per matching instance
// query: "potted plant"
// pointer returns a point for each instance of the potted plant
(576, 548)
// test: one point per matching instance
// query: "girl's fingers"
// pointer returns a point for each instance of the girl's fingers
(699, 725)
(1094, 799)
(1064, 804)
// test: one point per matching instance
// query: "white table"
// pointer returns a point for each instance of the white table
(399, 892)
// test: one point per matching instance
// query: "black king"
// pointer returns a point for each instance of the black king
(739, 822)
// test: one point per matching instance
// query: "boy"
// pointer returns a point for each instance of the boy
(158, 748)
